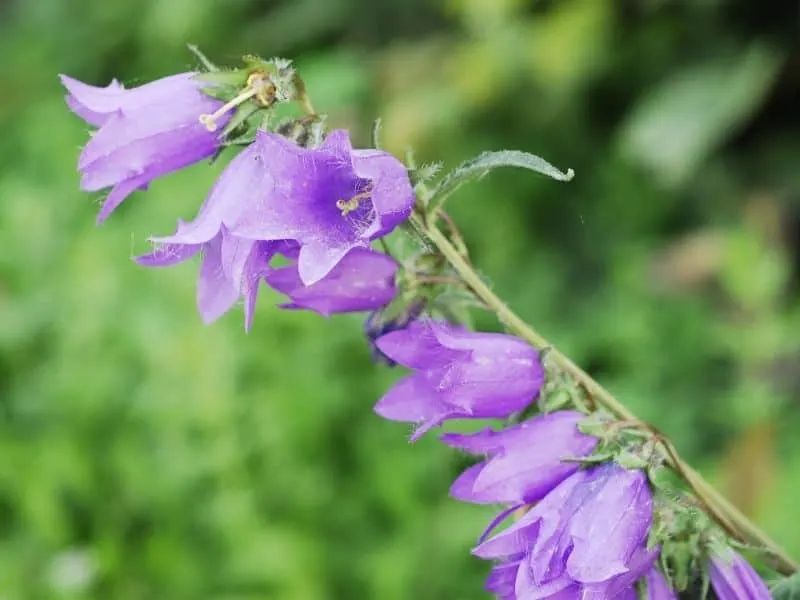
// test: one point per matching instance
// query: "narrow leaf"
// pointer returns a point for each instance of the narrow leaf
(482, 164)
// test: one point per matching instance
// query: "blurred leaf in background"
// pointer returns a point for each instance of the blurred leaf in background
(146, 456)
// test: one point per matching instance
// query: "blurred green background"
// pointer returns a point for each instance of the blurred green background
(146, 456)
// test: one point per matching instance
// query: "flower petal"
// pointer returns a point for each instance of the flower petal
(417, 347)
(316, 260)
(519, 475)
(363, 280)
(610, 525)
(167, 255)
(121, 191)
(216, 294)
(462, 487)
(392, 196)
(410, 401)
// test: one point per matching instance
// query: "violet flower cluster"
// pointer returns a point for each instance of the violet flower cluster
(317, 208)
(586, 535)
(301, 218)
(585, 532)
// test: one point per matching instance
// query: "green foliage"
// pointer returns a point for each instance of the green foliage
(788, 589)
(146, 456)
(481, 165)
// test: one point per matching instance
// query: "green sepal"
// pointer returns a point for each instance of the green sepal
(557, 399)
(377, 126)
(204, 60)
(253, 63)
(234, 78)
(706, 587)
(453, 311)
(663, 479)
(593, 427)
(787, 589)
(598, 458)
(240, 119)
(222, 93)
(630, 460)
(243, 140)
(257, 119)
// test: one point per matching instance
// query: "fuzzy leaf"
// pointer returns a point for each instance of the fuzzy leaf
(787, 589)
(483, 163)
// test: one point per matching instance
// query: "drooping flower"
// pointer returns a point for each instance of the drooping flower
(381, 322)
(363, 280)
(231, 268)
(525, 461)
(143, 133)
(329, 199)
(733, 578)
(459, 374)
(584, 539)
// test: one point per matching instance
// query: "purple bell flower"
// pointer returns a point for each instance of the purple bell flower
(525, 461)
(330, 199)
(587, 537)
(459, 374)
(378, 324)
(733, 578)
(232, 268)
(657, 587)
(363, 280)
(143, 133)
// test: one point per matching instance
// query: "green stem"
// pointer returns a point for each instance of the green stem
(724, 513)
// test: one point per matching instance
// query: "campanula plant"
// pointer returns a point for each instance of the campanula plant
(594, 503)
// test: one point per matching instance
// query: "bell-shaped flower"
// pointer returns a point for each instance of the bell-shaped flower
(458, 374)
(733, 578)
(363, 280)
(381, 322)
(329, 199)
(587, 536)
(143, 133)
(525, 461)
(231, 268)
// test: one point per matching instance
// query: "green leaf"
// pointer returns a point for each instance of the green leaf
(787, 589)
(680, 122)
(481, 165)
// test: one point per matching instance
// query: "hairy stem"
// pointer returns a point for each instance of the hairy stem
(724, 513)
